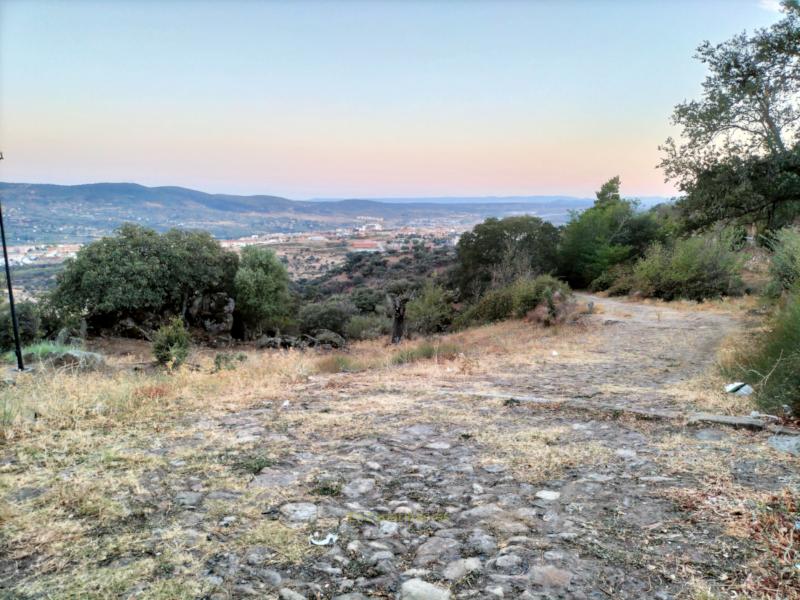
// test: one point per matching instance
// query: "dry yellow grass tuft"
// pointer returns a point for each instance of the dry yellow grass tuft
(64, 400)
(536, 454)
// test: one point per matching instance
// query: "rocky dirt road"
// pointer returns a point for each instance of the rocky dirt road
(428, 485)
(437, 493)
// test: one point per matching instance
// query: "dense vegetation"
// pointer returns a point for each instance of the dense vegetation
(139, 273)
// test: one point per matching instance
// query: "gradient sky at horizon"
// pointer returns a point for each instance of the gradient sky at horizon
(352, 98)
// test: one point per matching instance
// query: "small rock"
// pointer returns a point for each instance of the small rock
(481, 542)
(388, 528)
(287, 594)
(299, 511)
(380, 556)
(495, 468)
(482, 512)
(548, 495)
(417, 589)
(785, 443)
(188, 499)
(436, 548)
(438, 446)
(270, 577)
(269, 478)
(358, 487)
(458, 569)
(549, 576)
(507, 562)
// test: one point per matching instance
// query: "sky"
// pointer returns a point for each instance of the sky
(340, 98)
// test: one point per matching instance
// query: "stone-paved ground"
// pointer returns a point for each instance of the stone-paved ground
(424, 493)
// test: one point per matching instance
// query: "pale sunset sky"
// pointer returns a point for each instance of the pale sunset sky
(352, 98)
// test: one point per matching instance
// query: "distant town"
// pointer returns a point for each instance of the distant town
(306, 254)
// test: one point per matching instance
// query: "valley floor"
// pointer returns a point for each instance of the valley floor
(463, 478)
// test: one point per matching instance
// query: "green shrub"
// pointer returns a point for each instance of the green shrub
(332, 315)
(772, 365)
(430, 311)
(171, 343)
(696, 268)
(261, 291)
(28, 321)
(515, 300)
(366, 300)
(38, 352)
(508, 248)
(367, 327)
(139, 271)
(426, 351)
(785, 265)
(613, 231)
(227, 362)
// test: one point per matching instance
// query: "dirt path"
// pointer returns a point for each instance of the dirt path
(426, 489)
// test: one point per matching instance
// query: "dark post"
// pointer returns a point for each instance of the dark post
(18, 348)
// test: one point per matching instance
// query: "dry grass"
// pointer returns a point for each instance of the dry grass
(728, 305)
(102, 453)
(61, 400)
(536, 454)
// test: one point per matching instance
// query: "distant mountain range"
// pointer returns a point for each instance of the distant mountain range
(47, 213)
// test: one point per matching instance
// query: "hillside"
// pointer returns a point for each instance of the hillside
(64, 213)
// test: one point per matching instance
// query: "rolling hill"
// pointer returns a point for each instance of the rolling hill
(64, 213)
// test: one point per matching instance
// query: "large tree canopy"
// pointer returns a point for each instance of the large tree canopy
(612, 231)
(262, 290)
(502, 249)
(138, 271)
(745, 125)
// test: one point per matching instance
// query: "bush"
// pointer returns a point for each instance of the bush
(515, 300)
(772, 365)
(426, 351)
(171, 343)
(502, 250)
(785, 265)
(261, 291)
(366, 299)
(138, 271)
(430, 311)
(613, 231)
(227, 362)
(28, 321)
(696, 268)
(332, 315)
(367, 327)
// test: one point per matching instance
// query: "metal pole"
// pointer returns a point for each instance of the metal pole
(18, 347)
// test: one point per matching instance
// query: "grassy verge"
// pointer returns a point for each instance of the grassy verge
(771, 361)
(37, 351)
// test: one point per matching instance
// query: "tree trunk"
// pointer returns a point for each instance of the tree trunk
(399, 320)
